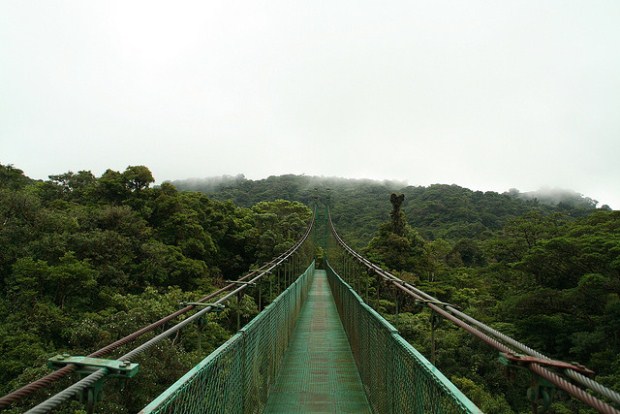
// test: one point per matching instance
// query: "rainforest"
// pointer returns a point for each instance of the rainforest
(85, 260)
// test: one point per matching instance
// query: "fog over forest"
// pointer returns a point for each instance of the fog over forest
(486, 95)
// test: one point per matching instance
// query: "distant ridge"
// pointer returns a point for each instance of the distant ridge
(547, 196)
(359, 206)
(560, 196)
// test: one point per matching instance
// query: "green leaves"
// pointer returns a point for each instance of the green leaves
(137, 178)
(488, 403)
(12, 178)
(277, 225)
(33, 279)
(87, 260)
(548, 280)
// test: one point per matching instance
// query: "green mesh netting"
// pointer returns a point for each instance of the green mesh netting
(237, 376)
(318, 374)
(396, 377)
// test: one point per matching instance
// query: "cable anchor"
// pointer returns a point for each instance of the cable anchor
(87, 365)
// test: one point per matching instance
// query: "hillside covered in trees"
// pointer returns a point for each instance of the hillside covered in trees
(544, 269)
(360, 206)
(85, 260)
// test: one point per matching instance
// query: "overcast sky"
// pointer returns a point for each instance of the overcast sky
(489, 95)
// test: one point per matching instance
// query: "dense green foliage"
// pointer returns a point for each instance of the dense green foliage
(544, 269)
(86, 260)
(359, 206)
(548, 280)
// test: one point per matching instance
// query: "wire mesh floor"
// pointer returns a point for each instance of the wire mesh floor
(319, 374)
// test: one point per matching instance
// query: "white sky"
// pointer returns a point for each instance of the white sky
(485, 94)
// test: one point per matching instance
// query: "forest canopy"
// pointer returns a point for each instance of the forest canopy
(85, 260)
(541, 267)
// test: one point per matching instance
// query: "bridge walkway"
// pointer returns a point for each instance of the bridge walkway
(318, 374)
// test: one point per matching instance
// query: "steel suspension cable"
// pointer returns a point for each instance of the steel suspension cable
(587, 382)
(43, 382)
(49, 379)
(537, 368)
(582, 379)
(66, 394)
(91, 379)
(451, 313)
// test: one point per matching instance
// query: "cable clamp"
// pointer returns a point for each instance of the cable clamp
(215, 306)
(237, 282)
(87, 365)
(522, 360)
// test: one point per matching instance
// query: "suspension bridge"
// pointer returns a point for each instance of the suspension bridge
(318, 347)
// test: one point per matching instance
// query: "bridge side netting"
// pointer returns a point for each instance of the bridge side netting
(396, 377)
(236, 377)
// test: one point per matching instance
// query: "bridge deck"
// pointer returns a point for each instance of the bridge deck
(318, 374)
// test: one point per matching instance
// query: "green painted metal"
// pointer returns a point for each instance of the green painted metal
(318, 373)
(396, 377)
(237, 376)
(86, 366)
(123, 369)
(374, 371)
